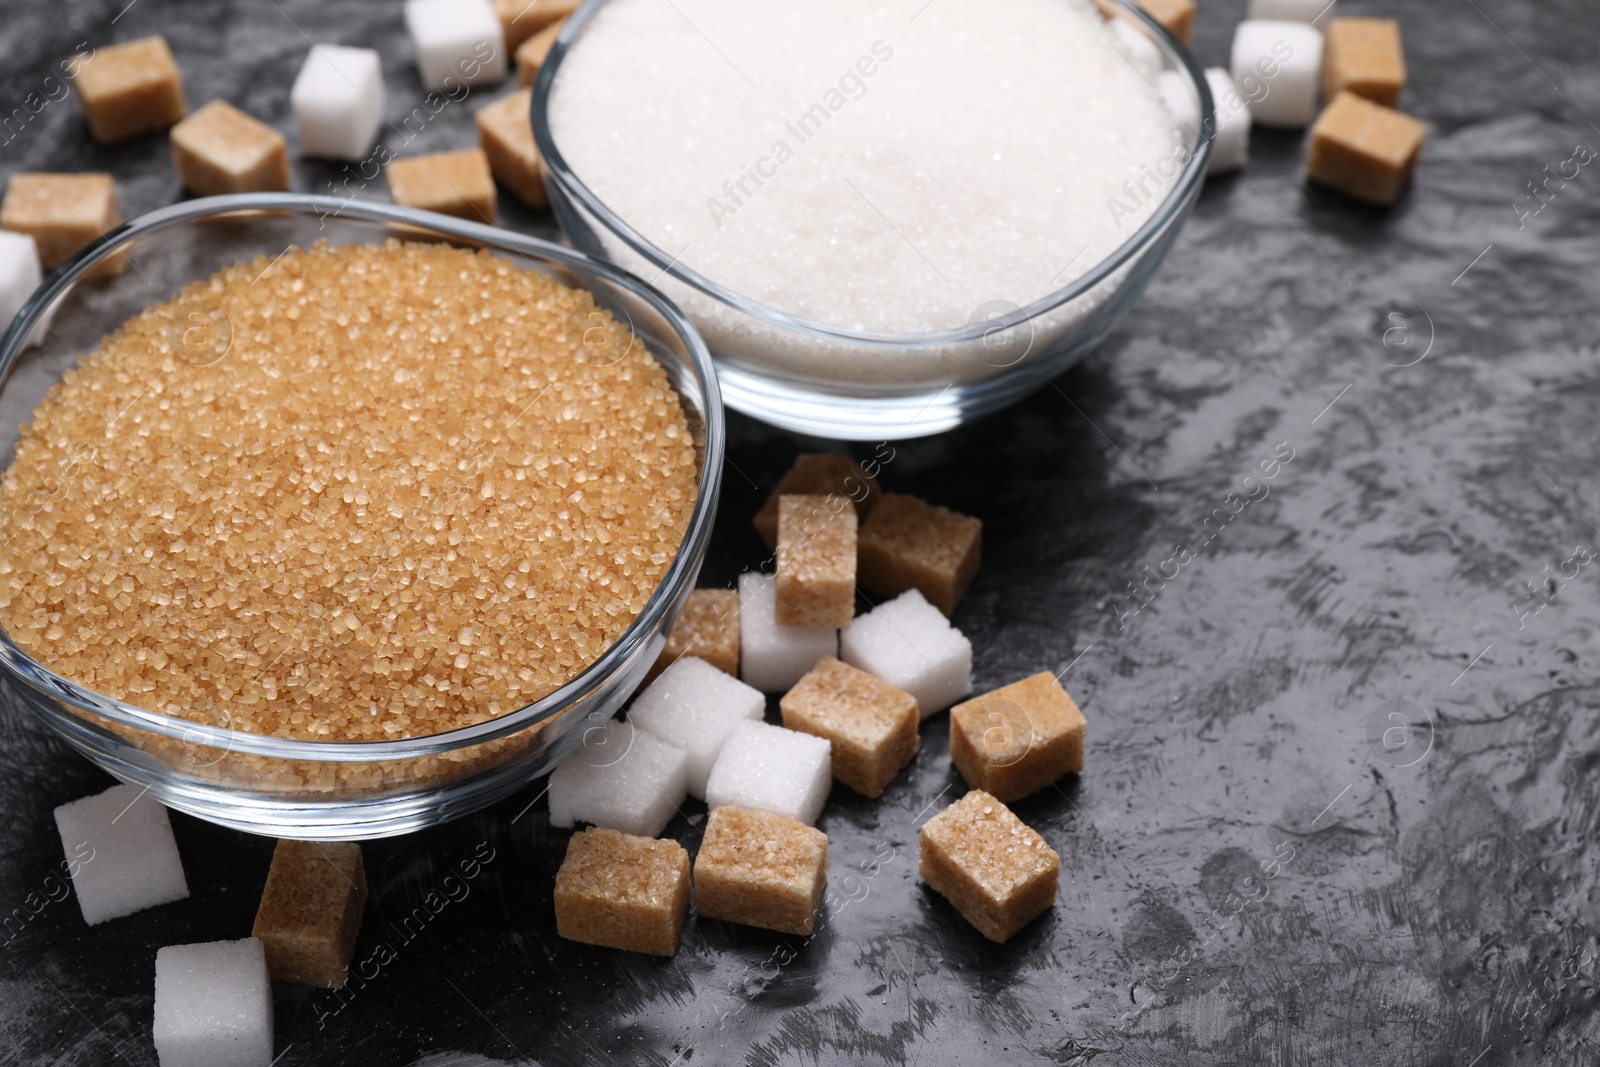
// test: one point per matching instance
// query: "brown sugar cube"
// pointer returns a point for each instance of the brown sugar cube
(130, 89)
(1365, 57)
(530, 54)
(816, 473)
(870, 724)
(621, 891)
(506, 136)
(1175, 16)
(816, 561)
(521, 19)
(1364, 150)
(995, 870)
(62, 212)
(761, 869)
(310, 911)
(219, 149)
(707, 627)
(1019, 738)
(451, 183)
(907, 543)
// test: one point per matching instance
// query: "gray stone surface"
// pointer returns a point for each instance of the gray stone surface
(1434, 902)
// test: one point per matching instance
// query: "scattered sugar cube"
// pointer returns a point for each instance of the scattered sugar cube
(909, 643)
(126, 858)
(532, 53)
(1230, 144)
(818, 474)
(219, 149)
(1135, 46)
(62, 213)
(130, 89)
(621, 779)
(995, 870)
(621, 891)
(1364, 150)
(870, 725)
(213, 1005)
(521, 19)
(695, 707)
(907, 543)
(1277, 66)
(505, 133)
(451, 183)
(816, 561)
(338, 102)
(707, 627)
(20, 274)
(1364, 56)
(1016, 740)
(1308, 11)
(1175, 16)
(761, 869)
(458, 42)
(768, 768)
(310, 911)
(773, 657)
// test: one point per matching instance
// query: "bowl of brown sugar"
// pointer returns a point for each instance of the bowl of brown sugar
(335, 520)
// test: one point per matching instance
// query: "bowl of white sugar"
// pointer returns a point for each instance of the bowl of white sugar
(885, 219)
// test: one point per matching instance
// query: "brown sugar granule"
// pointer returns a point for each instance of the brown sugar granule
(761, 869)
(907, 543)
(621, 891)
(707, 627)
(990, 865)
(418, 490)
(870, 724)
(1364, 56)
(219, 150)
(1364, 150)
(816, 561)
(310, 911)
(521, 19)
(1019, 738)
(130, 89)
(451, 183)
(62, 212)
(506, 136)
(816, 473)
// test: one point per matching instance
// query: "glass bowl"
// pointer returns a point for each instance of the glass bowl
(317, 789)
(782, 369)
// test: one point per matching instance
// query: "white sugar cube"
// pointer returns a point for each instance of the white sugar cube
(694, 706)
(909, 643)
(1311, 11)
(213, 1005)
(1230, 146)
(19, 274)
(458, 42)
(338, 102)
(1277, 67)
(1135, 46)
(123, 858)
(771, 657)
(1178, 94)
(768, 768)
(621, 779)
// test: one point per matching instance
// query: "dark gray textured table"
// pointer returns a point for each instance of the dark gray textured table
(1435, 902)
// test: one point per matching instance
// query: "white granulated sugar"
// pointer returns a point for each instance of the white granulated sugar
(847, 165)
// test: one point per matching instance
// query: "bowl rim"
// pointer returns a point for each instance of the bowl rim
(1178, 195)
(679, 574)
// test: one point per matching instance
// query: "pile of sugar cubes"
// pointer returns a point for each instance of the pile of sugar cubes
(854, 692)
(213, 1001)
(1286, 56)
(135, 88)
